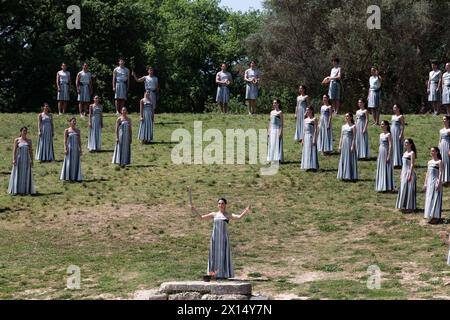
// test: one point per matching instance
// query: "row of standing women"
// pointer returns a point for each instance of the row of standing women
(21, 180)
(394, 151)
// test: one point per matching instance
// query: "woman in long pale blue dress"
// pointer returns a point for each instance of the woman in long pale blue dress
(362, 135)
(433, 89)
(95, 125)
(63, 85)
(21, 180)
(121, 85)
(71, 169)
(310, 161)
(445, 83)
(374, 95)
(325, 138)
(44, 150)
(151, 83)
(251, 78)
(220, 262)
(384, 180)
(397, 131)
(145, 134)
(444, 146)
(433, 187)
(122, 151)
(300, 110)
(406, 199)
(275, 148)
(348, 162)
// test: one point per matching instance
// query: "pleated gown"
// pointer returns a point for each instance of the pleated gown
(433, 197)
(122, 151)
(444, 147)
(406, 198)
(362, 138)
(21, 180)
(95, 133)
(275, 148)
(397, 143)
(146, 125)
(71, 170)
(44, 150)
(302, 104)
(325, 137)
(348, 163)
(219, 258)
(309, 154)
(384, 180)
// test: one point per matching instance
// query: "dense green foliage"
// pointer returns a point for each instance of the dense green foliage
(299, 37)
(184, 40)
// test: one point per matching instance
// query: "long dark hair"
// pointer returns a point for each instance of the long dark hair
(351, 117)
(312, 111)
(363, 101)
(21, 129)
(279, 103)
(304, 87)
(387, 124)
(438, 151)
(399, 108)
(223, 199)
(413, 145)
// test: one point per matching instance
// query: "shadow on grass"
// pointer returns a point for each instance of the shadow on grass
(94, 180)
(168, 122)
(5, 173)
(142, 166)
(368, 159)
(290, 162)
(39, 194)
(164, 142)
(328, 170)
(101, 151)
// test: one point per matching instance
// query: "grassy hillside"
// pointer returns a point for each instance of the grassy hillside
(130, 229)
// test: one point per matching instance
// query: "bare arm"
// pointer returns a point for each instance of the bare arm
(141, 109)
(79, 141)
(39, 124)
(14, 150)
(90, 115)
(114, 80)
(353, 137)
(241, 215)
(117, 129)
(440, 83)
(390, 148)
(218, 79)
(340, 141)
(329, 118)
(366, 124)
(30, 150)
(141, 79)
(66, 132)
(57, 81)
(246, 79)
(402, 126)
(77, 82)
(316, 131)
(411, 167)
(130, 128)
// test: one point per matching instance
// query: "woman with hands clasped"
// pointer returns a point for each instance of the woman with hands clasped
(220, 262)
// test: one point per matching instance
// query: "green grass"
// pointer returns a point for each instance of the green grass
(129, 229)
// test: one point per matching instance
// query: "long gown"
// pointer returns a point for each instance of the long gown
(397, 143)
(385, 172)
(85, 93)
(95, 133)
(302, 104)
(251, 89)
(406, 198)
(348, 163)
(275, 149)
(433, 197)
(122, 151)
(309, 154)
(362, 138)
(121, 83)
(219, 258)
(21, 180)
(44, 150)
(325, 137)
(444, 147)
(433, 95)
(71, 170)
(63, 94)
(223, 92)
(146, 125)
